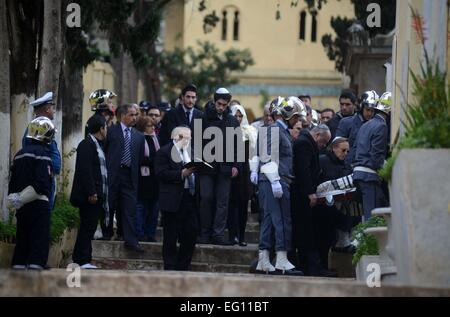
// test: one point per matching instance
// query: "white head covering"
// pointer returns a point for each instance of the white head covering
(249, 133)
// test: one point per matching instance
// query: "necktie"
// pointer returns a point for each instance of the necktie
(190, 178)
(126, 157)
(188, 117)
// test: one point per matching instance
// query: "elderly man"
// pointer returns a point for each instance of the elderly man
(306, 169)
(124, 149)
(177, 200)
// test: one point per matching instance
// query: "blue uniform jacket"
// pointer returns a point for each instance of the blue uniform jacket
(52, 150)
(283, 151)
(349, 128)
(31, 167)
(371, 148)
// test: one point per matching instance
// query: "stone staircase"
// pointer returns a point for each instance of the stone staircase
(206, 258)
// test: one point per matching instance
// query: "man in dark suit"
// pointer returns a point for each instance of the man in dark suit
(177, 201)
(90, 188)
(306, 168)
(183, 114)
(124, 153)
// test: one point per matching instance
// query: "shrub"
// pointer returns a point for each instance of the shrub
(366, 243)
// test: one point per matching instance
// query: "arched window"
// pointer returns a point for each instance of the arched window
(224, 25)
(236, 26)
(302, 25)
(314, 27)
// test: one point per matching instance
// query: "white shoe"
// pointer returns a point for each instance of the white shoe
(36, 267)
(19, 267)
(283, 263)
(88, 266)
(264, 264)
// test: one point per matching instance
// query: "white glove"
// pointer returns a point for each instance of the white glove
(13, 201)
(277, 189)
(254, 178)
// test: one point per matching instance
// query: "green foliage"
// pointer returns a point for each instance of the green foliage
(205, 67)
(64, 216)
(130, 26)
(337, 45)
(427, 122)
(366, 244)
(8, 230)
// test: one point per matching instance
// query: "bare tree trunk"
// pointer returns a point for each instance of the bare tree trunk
(5, 109)
(72, 132)
(126, 82)
(51, 58)
(24, 22)
(151, 80)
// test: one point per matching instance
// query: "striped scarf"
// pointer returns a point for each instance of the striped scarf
(104, 172)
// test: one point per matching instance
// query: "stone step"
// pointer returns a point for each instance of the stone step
(152, 265)
(204, 253)
(250, 236)
(100, 283)
(252, 226)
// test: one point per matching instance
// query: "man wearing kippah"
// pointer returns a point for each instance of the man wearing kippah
(215, 183)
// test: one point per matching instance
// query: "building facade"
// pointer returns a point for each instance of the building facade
(289, 56)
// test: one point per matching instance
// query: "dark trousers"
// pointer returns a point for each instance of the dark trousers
(181, 226)
(32, 234)
(306, 249)
(214, 199)
(372, 196)
(326, 221)
(237, 219)
(89, 216)
(123, 199)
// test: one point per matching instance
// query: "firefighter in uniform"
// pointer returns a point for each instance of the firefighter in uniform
(371, 152)
(29, 191)
(274, 179)
(348, 127)
(45, 107)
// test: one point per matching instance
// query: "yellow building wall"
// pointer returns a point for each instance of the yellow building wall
(407, 56)
(284, 64)
(96, 76)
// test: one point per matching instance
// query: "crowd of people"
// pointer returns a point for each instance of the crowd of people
(139, 162)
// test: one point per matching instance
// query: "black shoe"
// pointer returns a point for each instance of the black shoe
(291, 272)
(324, 273)
(243, 244)
(203, 240)
(220, 241)
(136, 248)
(350, 249)
(265, 272)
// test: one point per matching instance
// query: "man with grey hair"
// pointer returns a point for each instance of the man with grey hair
(177, 200)
(306, 169)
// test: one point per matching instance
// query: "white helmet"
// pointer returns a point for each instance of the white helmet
(41, 129)
(275, 106)
(384, 102)
(315, 118)
(292, 106)
(369, 99)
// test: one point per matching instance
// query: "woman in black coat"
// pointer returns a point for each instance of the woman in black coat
(147, 210)
(334, 222)
(241, 187)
